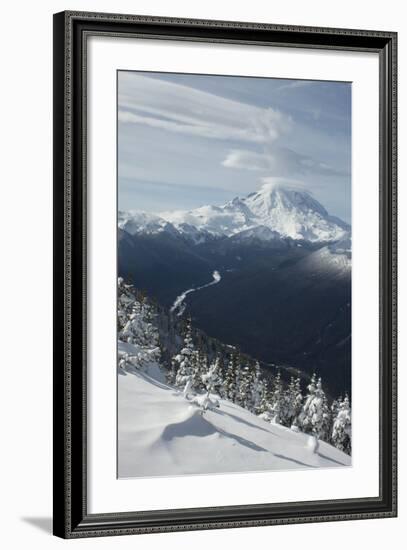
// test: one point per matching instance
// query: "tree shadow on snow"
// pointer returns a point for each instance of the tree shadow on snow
(147, 377)
(289, 459)
(197, 426)
(331, 459)
(242, 421)
(243, 441)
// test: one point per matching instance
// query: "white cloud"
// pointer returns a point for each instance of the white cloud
(181, 109)
(164, 125)
(248, 160)
(278, 161)
(286, 183)
(198, 128)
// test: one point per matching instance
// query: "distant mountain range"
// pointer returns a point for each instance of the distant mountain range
(284, 295)
(270, 213)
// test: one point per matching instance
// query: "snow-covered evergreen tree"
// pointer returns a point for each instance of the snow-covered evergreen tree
(184, 363)
(342, 427)
(315, 415)
(277, 408)
(211, 379)
(305, 417)
(294, 401)
(335, 406)
(172, 373)
(265, 401)
(211, 382)
(135, 316)
(324, 424)
(229, 384)
(244, 385)
(258, 391)
(125, 301)
(222, 375)
(200, 364)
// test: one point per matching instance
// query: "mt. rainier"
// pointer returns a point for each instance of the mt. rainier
(285, 266)
(272, 211)
(295, 214)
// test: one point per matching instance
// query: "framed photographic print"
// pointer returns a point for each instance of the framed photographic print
(224, 274)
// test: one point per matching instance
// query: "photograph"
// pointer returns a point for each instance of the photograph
(201, 292)
(234, 274)
(224, 273)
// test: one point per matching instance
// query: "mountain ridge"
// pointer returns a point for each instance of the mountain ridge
(284, 212)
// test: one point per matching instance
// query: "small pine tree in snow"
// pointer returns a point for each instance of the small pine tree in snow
(244, 386)
(258, 391)
(200, 364)
(304, 419)
(325, 418)
(229, 384)
(265, 402)
(342, 427)
(211, 382)
(222, 375)
(211, 379)
(336, 403)
(315, 415)
(184, 363)
(294, 401)
(277, 406)
(172, 373)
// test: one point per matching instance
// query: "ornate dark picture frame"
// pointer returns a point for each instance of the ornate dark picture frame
(71, 517)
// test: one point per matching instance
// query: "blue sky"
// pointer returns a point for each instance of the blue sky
(187, 140)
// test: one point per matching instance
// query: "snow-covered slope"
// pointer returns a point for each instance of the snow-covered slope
(335, 257)
(162, 433)
(218, 220)
(144, 223)
(284, 211)
(259, 232)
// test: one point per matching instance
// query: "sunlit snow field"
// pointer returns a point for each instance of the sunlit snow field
(162, 434)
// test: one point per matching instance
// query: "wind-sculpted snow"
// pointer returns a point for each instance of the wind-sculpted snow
(162, 433)
(179, 304)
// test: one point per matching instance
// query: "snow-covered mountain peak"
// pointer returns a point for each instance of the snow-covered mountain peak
(220, 221)
(286, 210)
(294, 213)
(135, 222)
(273, 197)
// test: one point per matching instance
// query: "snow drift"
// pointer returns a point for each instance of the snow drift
(162, 433)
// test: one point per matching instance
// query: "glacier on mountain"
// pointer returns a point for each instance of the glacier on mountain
(274, 211)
